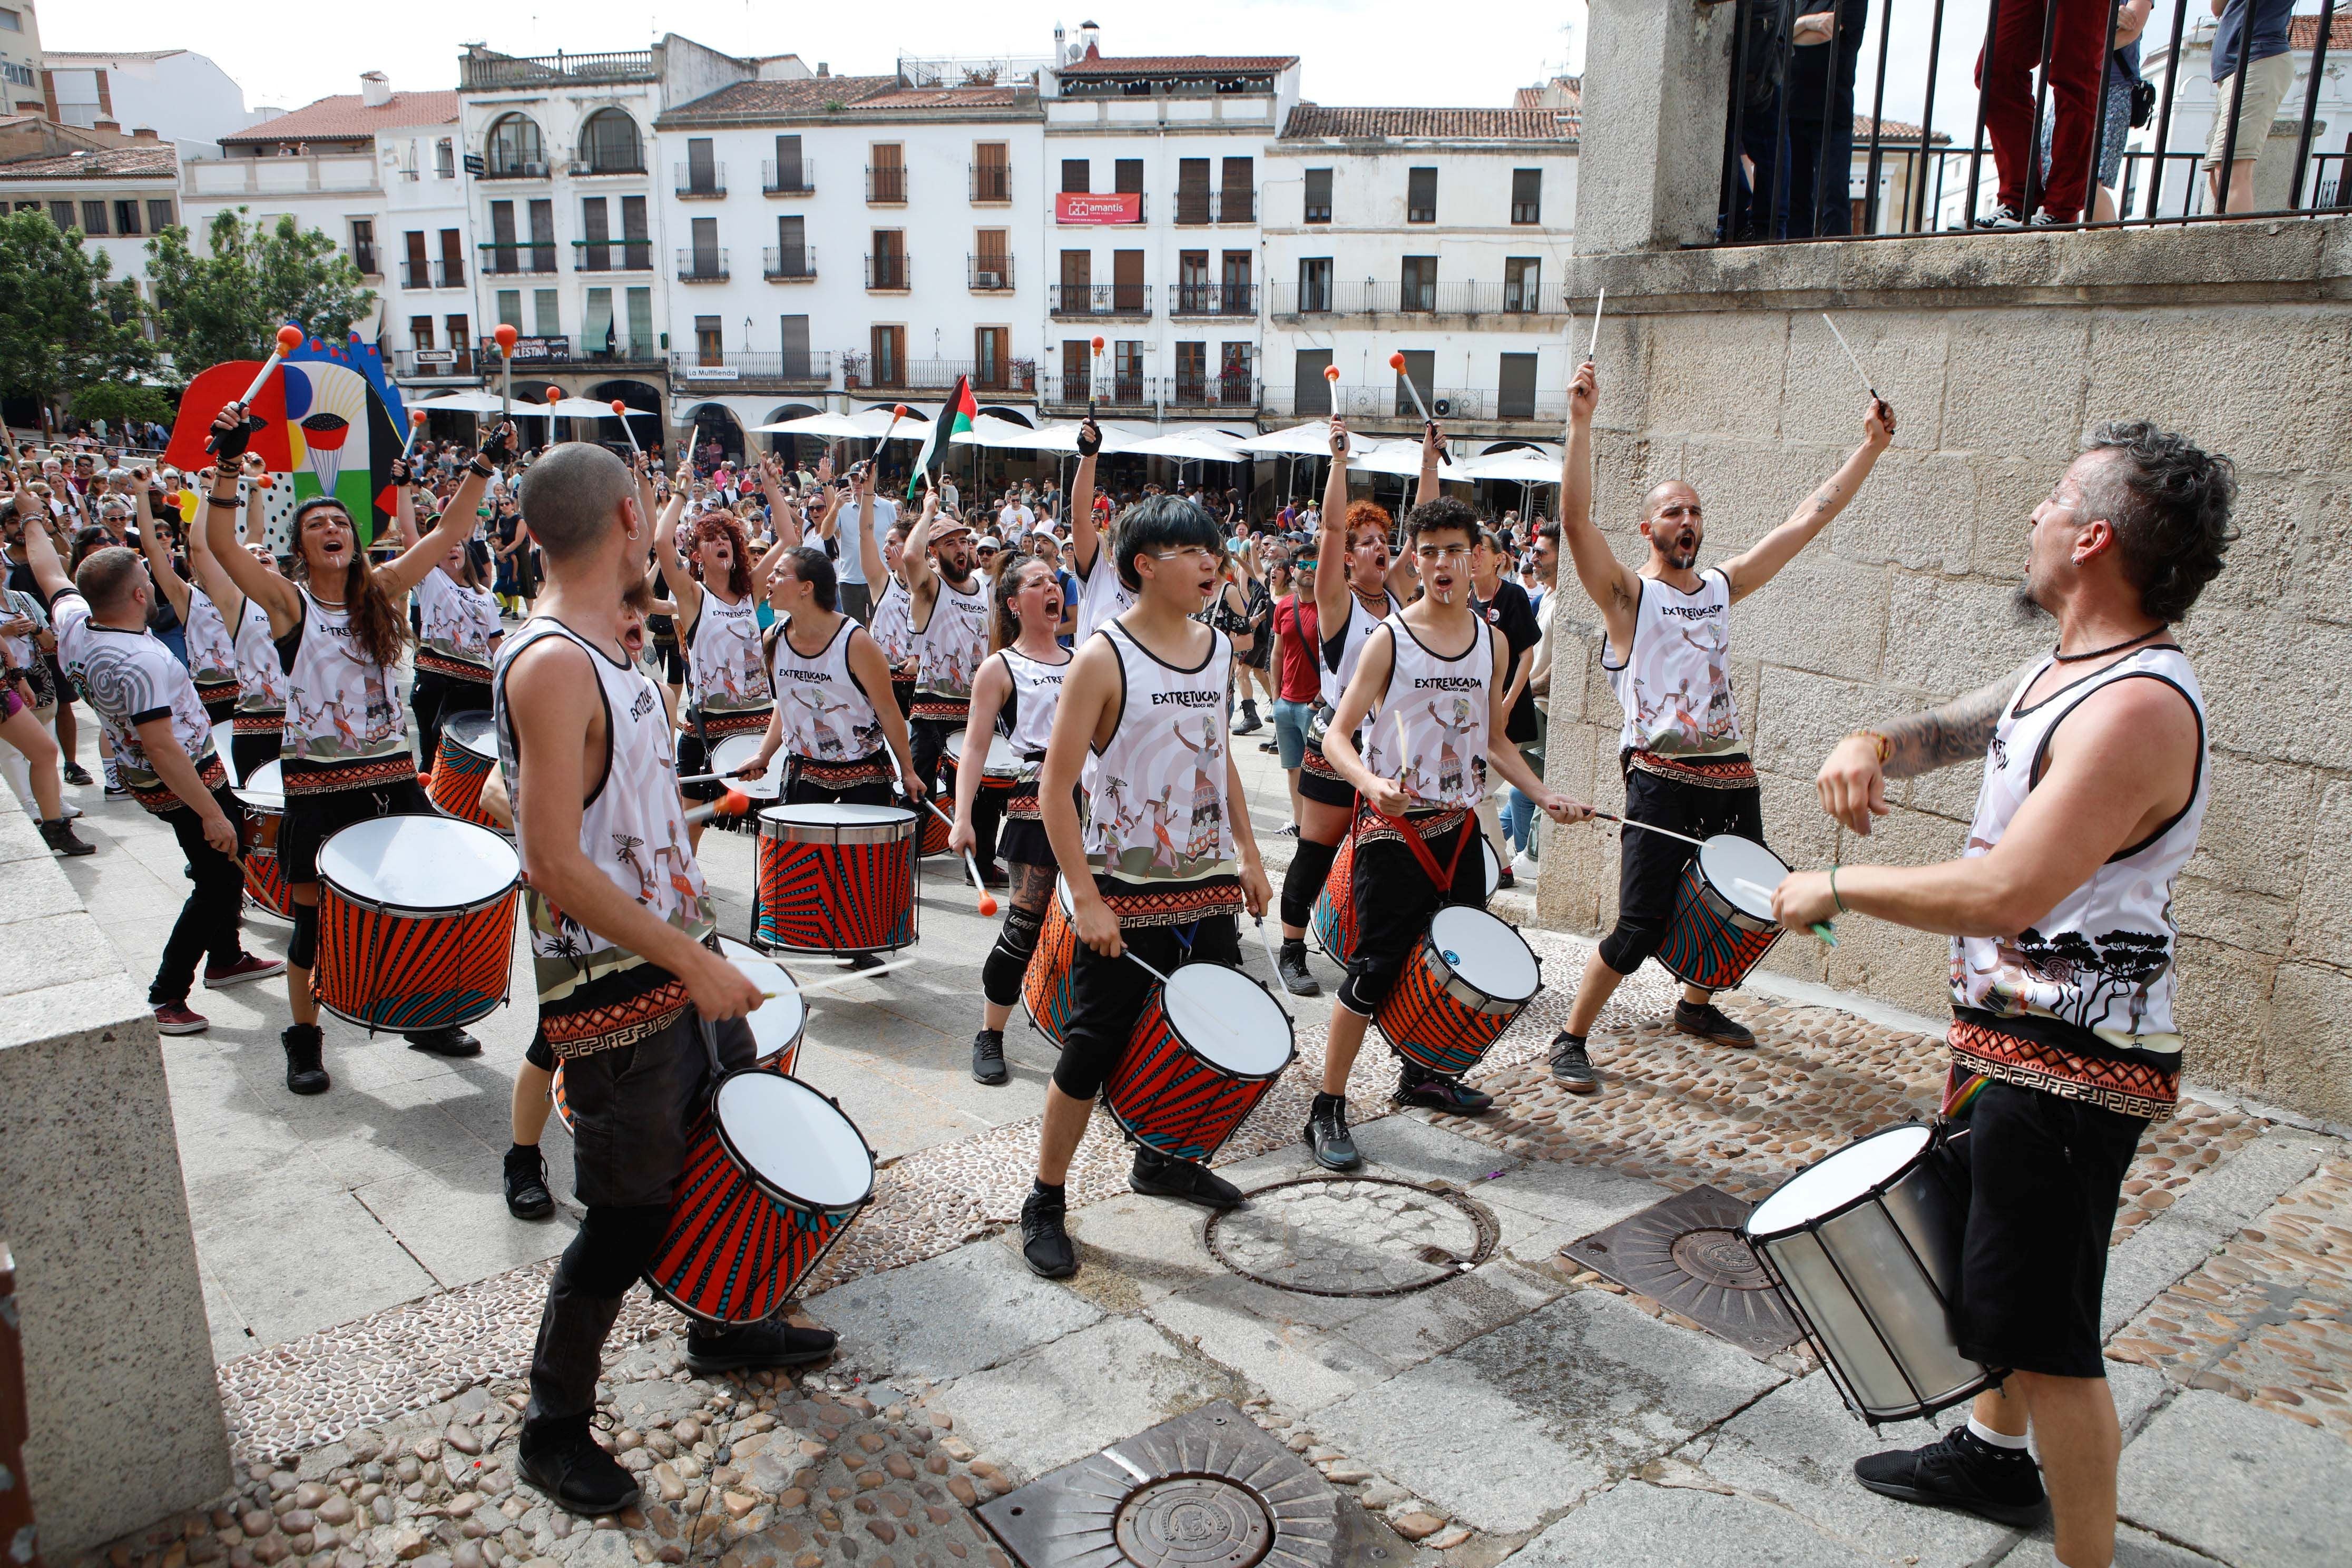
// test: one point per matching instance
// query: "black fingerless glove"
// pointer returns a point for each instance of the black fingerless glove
(228, 445)
(1089, 439)
(400, 471)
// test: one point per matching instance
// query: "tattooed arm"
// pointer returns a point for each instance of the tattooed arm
(1852, 782)
(1761, 562)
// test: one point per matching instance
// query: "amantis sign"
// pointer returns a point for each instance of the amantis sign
(1124, 207)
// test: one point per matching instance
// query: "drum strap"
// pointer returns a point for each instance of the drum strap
(1414, 841)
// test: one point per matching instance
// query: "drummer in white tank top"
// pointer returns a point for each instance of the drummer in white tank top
(205, 625)
(727, 683)
(1017, 693)
(835, 712)
(1426, 702)
(2061, 905)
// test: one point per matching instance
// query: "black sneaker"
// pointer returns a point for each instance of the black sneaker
(2002, 216)
(116, 792)
(565, 1463)
(306, 1052)
(1158, 1175)
(864, 960)
(1291, 966)
(1504, 879)
(1044, 1241)
(60, 838)
(527, 1194)
(747, 1347)
(988, 1056)
(1326, 1133)
(1573, 1066)
(1435, 1091)
(75, 774)
(1709, 1023)
(444, 1043)
(1961, 1472)
(1270, 747)
(995, 876)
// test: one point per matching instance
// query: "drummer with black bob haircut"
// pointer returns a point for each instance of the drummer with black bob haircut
(1143, 713)
(2064, 1038)
(621, 937)
(1424, 705)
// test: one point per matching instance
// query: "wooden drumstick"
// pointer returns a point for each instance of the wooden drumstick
(1272, 960)
(987, 899)
(855, 975)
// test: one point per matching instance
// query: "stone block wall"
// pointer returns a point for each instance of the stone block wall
(1999, 354)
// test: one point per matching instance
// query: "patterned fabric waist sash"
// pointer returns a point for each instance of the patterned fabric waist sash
(2126, 1087)
(219, 698)
(1316, 762)
(734, 721)
(1416, 831)
(1706, 773)
(259, 721)
(1021, 806)
(868, 769)
(1169, 903)
(310, 778)
(442, 663)
(601, 1000)
(935, 705)
(159, 797)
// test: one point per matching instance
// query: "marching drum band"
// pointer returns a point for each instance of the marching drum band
(566, 780)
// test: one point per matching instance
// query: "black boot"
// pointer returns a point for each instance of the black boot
(61, 839)
(1250, 722)
(564, 1461)
(988, 1058)
(306, 1052)
(1291, 966)
(1158, 1175)
(1327, 1134)
(526, 1182)
(1044, 1241)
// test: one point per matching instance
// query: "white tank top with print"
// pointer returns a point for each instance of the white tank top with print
(892, 627)
(725, 673)
(458, 622)
(1102, 596)
(632, 829)
(828, 718)
(1428, 730)
(261, 677)
(343, 710)
(1026, 719)
(1337, 659)
(212, 647)
(2103, 959)
(1155, 804)
(1675, 683)
(954, 640)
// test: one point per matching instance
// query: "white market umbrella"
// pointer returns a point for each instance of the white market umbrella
(582, 408)
(1514, 467)
(1402, 458)
(463, 402)
(1187, 447)
(872, 423)
(1312, 439)
(826, 426)
(1007, 435)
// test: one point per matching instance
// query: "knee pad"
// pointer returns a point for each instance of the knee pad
(613, 1248)
(1625, 948)
(1303, 883)
(1001, 972)
(1367, 986)
(303, 952)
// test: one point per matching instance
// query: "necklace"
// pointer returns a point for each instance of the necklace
(2111, 647)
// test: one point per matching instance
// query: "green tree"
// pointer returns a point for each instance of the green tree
(121, 401)
(68, 324)
(226, 304)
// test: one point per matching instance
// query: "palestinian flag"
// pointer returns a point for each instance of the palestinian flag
(956, 415)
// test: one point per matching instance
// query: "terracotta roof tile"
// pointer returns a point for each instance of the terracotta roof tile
(755, 100)
(1452, 124)
(112, 163)
(1176, 65)
(345, 115)
(942, 98)
(2302, 32)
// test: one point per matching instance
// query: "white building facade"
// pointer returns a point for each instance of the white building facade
(181, 95)
(117, 196)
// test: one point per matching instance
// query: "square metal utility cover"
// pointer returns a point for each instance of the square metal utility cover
(1206, 1489)
(1686, 1252)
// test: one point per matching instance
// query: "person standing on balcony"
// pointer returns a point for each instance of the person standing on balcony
(2253, 32)
(2005, 75)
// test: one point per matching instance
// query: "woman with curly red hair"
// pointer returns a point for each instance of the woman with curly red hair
(727, 689)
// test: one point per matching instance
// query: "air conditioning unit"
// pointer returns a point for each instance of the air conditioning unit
(578, 168)
(1443, 408)
(992, 280)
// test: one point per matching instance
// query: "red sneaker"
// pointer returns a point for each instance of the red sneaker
(174, 1018)
(249, 966)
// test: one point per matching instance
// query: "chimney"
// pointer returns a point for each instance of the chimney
(107, 127)
(143, 133)
(822, 68)
(1089, 41)
(375, 89)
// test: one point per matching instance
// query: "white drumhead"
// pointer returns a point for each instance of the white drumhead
(1001, 756)
(471, 732)
(779, 1020)
(1743, 871)
(1062, 891)
(1832, 1183)
(736, 752)
(1492, 863)
(795, 1139)
(1486, 951)
(265, 789)
(1224, 1016)
(419, 862)
(836, 815)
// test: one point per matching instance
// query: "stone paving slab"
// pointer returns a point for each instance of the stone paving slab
(1517, 1424)
(973, 1308)
(2204, 1219)
(1636, 1522)
(2241, 1484)
(2133, 1549)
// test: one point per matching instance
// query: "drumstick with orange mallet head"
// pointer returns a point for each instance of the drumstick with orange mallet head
(734, 803)
(987, 899)
(289, 337)
(507, 337)
(416, 424)
(1397, 364)
(621, 412)
(1822, 928)
(1094, 375)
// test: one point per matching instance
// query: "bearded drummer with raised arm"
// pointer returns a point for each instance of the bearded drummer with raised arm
(2060, 906)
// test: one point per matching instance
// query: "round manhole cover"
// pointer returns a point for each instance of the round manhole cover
(1352, 1236)
(1719, 1257)
(1193, 1521)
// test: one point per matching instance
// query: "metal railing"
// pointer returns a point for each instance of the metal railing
(887, 275)
(528, 258)
(702, 266)
(514, 169)
(1383, 405)
(1905, 179)
(1008, 376)
(416, 275)
(806, 370)
(363, 258)
(612, 256)
(1112, 393)
(700, 181)
(885, 186)
(991, 183)
(486, 69)
(1212, 298)
(1199, 207)
(794, 264)
(449, 273)
(1236, 389)
(792, 180)
(990, 274)
(547, 354)
(1442, 298)
(1077, 301)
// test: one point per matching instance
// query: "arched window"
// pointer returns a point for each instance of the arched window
(515, 147)
(609, 142)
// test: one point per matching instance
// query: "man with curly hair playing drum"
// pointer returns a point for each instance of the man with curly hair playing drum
(2060, 907)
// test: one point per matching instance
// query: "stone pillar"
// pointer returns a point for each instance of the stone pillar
(125, 1413)
(1657, 77)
